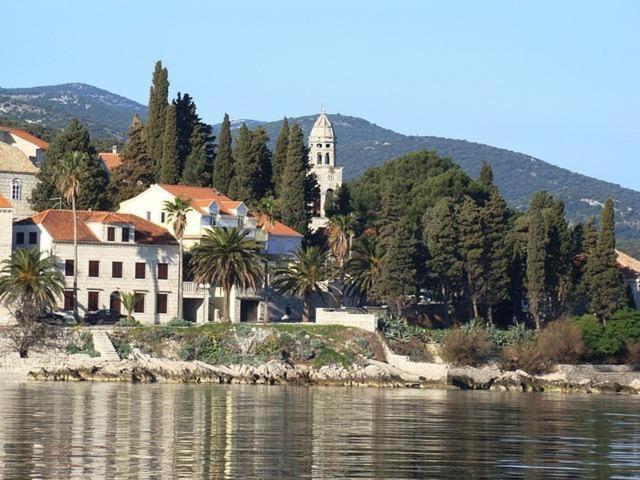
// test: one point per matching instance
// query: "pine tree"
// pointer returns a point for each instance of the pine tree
(244, 173)
(605, 287)
(472, 250)
(390, 216)
(135, 173)
(156, 121)
(296, 186)
(498, 252)
(442, 237)
(536, 255)
(280, 158)
(486, 175)
(169, 171)
(92, 194)
(223, 167)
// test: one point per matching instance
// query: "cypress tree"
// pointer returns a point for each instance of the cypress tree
(169, 171)
(605, 287)
(486, 175)
(389, 217)
(198, 165)
(296, 186)
(241, 187)
(223, 167)
(589, 236)
(186, 121)
(135, 173)
(472, 249)
(156, 121)
(280, 157)
(92, 194)
(536, 254)
(261, 158)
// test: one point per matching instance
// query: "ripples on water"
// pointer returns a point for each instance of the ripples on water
(208, 431)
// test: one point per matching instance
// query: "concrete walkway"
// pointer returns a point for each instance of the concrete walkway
(102, 344)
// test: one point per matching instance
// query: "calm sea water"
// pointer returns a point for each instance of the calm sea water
(89, 431)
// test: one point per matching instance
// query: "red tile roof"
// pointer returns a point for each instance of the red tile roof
(4, 203)
(26, 136)
(277, 228)
(195, 193)
(110, 160)
(59, 224)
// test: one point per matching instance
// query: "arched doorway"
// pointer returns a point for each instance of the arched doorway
(114, 302)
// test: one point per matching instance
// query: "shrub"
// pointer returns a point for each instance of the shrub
(86, 345)
(397, 328)
(122, 347)
(527, 356)
(124, 322)
(470, 346)
(562, 342)
(179, 322)
(609, 340)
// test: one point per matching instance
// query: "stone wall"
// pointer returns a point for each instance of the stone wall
(28, 181)
(329, 316)
(432, 372)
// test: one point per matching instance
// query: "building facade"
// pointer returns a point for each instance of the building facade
(6, 228)
(117, 253)
(322, 157)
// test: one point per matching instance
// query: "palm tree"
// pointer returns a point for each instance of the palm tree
(266, 210)
(339, 231)
(363, 268)
(128, 301)
(177, 215)
(304, 277)
(226, 257)
(68, 177)
(29, 284)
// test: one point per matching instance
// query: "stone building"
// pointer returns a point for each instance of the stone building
(21, 155)
(322, 157)
(117, 252)
(630, 268)
(6, 226)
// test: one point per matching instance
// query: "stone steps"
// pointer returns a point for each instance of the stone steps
(102, 344)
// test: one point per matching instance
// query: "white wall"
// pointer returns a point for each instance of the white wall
(6, 224)
(365, 321)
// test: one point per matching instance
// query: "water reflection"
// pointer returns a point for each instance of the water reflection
(201, 431)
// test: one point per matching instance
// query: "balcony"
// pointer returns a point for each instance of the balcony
(193, 290)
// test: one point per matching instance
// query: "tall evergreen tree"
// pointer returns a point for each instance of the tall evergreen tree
(261, 158)
(244, 171)
(135, 173)
(156, 121)
(186, 121)
(536, 255)
(46, 194)
(589, 236)
(223, 167)
(472, 249)
(486, 175)
(169, 171)
(280, 158)
(296, 184)
(605, 286)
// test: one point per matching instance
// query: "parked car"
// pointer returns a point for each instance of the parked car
(58, 317)
(102, 317)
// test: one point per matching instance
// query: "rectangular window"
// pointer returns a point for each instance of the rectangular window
(92, 301)
(139, 308)
(33, 238)
(163, 271)
(140, 269)
(147, 215)
(68, 268)
(116, 270)
(20, 238)
(162, 217)
(125, 234)
(161, 303)
(111, 234)
(68, 299)
(94, 268)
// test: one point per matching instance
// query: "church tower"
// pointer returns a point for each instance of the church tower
(322, 157)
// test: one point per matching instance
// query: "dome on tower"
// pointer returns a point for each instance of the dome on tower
(322, 129)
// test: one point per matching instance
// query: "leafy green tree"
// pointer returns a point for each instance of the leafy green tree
(226, 257)
(170, 167)
(537, 293)
(363, 268)
(261, 157)
(46, 194)
(304, 276)
(472, 250)
(30, 283)
(177, 211)
(196, 168)
(223, 167)
(295, 203)
(134, 175)
(279, 160)
(156, 121)
(486, 175)
(605, 286)
(442, 238)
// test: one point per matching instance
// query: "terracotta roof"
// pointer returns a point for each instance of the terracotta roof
(59, 224)
(110, 160)
(195, 193)
(26, 136)
(276, 228)
(628, 263)
(4, 203)
(12, 159)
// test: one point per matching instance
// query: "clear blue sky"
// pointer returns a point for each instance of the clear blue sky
(559, 80)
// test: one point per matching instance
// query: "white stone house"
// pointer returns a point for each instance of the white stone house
(212, 209)
(6, 228)
(117, 252)
(630, 268)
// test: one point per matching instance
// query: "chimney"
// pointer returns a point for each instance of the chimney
(114, 149)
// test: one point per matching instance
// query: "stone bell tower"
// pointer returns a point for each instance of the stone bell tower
(322, 157)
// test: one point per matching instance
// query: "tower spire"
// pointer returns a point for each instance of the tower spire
(322, 108)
